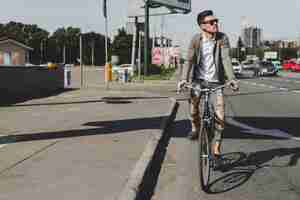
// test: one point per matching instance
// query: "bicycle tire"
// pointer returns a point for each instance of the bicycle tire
(204, 158)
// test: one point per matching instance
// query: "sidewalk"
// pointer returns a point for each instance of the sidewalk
(81, 144)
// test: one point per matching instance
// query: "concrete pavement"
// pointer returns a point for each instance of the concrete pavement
(81, 144)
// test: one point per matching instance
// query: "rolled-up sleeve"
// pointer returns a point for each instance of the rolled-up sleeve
(226, 58)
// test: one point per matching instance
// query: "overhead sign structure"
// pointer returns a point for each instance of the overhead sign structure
(176, 4)
(136, 7)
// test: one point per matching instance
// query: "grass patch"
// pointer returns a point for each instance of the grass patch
(160, 73)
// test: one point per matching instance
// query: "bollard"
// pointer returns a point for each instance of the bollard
(108, 72)
(125, 78)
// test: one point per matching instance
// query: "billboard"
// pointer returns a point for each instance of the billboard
(136, 7)
(166, 55)
(270, 55)
(178, 4)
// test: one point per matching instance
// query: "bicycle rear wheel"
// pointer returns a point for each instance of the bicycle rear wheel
(204, 158)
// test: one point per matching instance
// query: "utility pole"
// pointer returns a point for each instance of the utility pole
(146, 38)
(64, 54)
(93, 52)
(134, 43)
(140, 54)
(42, 51)
(81, 66)
(162, 49)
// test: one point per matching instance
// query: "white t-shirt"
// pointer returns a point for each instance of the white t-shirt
(208, 69)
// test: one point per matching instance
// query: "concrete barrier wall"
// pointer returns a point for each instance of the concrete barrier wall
(24, 81)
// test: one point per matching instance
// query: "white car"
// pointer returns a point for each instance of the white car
(248, 65)
(237, 68)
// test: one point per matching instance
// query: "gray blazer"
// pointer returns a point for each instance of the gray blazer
(222, 57)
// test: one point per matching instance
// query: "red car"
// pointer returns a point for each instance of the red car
(289, 64)
(296, 68)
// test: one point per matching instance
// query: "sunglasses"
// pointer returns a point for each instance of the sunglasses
(211, 22)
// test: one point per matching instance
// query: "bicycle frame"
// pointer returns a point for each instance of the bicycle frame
(207, 126)
(207, 110)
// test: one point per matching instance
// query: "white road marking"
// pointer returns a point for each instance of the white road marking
(270, 86)
(263, 85)
(285, 89)
(257, 131)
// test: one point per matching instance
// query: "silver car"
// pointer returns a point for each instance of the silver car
(237, 68)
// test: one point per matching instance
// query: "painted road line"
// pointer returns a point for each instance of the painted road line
(258, 131)
(262, 85)
(284, 89)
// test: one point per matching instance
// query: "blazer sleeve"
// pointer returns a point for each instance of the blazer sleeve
(190, 59)
(226, 58)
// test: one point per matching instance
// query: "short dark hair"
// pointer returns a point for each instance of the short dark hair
(204, 14)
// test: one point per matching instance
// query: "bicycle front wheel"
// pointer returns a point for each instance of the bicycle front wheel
(204, 158)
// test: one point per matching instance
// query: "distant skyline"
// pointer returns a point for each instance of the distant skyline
(278, 19)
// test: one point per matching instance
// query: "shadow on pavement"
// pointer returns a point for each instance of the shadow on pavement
(111, 100)
(9, 99)
(267, 128)
(102, 128)
(240, 170)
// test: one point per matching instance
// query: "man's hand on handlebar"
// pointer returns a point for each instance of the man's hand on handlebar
(181, 84)
(234, 85)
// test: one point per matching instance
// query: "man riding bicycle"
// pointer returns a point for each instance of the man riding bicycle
(210, 63)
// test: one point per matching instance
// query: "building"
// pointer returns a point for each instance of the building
(252, 37)
(287, 43)
(13, 52)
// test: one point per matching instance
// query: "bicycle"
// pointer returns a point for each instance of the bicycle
(206, 158)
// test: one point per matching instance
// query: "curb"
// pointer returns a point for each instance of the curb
(142, 179)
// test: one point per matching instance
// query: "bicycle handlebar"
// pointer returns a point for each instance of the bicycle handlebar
(210, 90)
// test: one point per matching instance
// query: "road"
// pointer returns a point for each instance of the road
(261, 137)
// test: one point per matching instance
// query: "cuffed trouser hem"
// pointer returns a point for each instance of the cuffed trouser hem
(217, 138)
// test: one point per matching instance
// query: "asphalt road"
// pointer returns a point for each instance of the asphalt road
(261, 137)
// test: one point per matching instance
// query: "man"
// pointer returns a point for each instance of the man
(210, 63)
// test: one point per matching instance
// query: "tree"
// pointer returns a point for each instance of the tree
(240, 54)
(121, 46)
(64, 41)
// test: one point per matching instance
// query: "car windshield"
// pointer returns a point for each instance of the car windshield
(235, 64)
(266, 64)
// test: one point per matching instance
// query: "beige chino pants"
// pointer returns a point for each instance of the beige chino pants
(217, 99)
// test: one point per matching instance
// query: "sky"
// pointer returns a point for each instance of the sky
(278, 19)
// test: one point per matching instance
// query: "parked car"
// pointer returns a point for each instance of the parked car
(248, 65)
(237, 68)
(296, 67)
(277, 64)
(267, 68)
(288, 64)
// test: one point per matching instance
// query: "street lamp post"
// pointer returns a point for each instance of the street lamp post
(146, 38)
